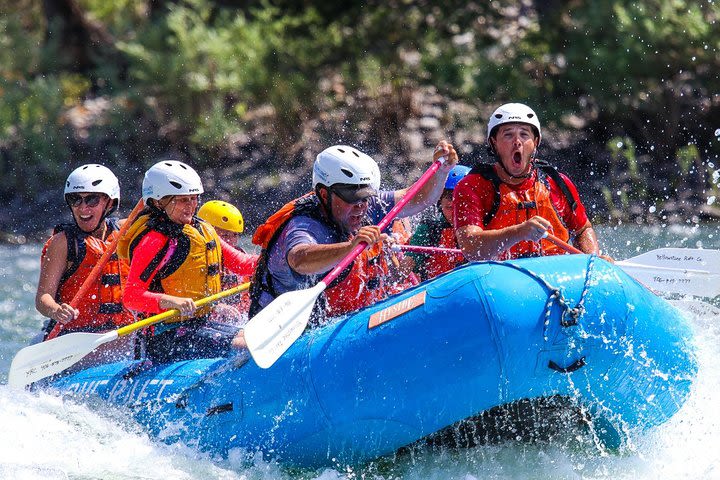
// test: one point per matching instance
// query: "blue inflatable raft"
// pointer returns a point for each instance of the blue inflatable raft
(483, 335)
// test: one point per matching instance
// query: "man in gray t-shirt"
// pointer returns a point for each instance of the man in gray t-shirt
(305, 230)
(309, 236)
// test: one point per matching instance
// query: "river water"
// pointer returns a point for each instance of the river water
(45, 437)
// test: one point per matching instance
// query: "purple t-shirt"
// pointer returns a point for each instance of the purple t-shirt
(302, 230)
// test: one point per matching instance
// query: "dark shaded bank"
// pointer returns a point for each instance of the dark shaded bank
(618, 181)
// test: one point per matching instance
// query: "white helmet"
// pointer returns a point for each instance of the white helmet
(346, 165)
(170, 177)
(93, 178)
(513, 113)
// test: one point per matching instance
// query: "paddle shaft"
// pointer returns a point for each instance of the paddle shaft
(95, 272)
(350, 257)
(564, 245)
(128, 329)
(429, 250)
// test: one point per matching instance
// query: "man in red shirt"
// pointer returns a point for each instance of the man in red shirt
(504, 210)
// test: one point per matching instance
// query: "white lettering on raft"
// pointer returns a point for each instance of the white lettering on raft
(124, 391)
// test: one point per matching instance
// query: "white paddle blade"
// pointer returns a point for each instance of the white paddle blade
(700, 283)
(682, 258)
(697, 308)
(271, 332)
(41, 360)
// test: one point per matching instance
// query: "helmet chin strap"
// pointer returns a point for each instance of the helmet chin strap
(327, 205)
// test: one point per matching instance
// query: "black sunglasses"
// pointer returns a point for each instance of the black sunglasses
(91, 200)
(349, 195)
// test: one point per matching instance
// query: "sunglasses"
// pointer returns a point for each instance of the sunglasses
(91, 200)
(352, 195)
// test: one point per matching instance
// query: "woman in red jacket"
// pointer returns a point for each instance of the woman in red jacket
(176, 259)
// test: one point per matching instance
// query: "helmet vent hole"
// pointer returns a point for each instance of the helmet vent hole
(96, 183)
(176, 185)
(347, 172)
(498, 115)
(356, 154)
(530, 115)
(341, 150)
(183, 166)
(225, 219)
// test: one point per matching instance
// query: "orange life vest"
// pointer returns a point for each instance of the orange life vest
(361, 284)
(513, 207)
(101, 308)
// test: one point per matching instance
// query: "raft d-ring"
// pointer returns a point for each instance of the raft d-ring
(569, 317)
(576, 365)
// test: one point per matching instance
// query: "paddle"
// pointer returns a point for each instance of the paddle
(97, 269)
(687, 271)
(271, 332)
(48, 358)
(427, 250)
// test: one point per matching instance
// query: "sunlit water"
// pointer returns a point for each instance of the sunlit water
(45, 437)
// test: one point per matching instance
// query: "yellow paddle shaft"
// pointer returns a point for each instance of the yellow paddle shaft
(127, 329)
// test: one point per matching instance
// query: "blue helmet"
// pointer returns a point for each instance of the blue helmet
(455, 175)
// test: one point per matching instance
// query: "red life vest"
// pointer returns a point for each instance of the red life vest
(438, 264)
(361, 284)
(102, 308)
(397, 281)
(513, 207)
(364, 284)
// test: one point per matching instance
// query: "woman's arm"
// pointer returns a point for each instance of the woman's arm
(53, 263)
(236, 261)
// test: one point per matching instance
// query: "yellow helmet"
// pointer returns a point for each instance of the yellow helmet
(223, 215)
